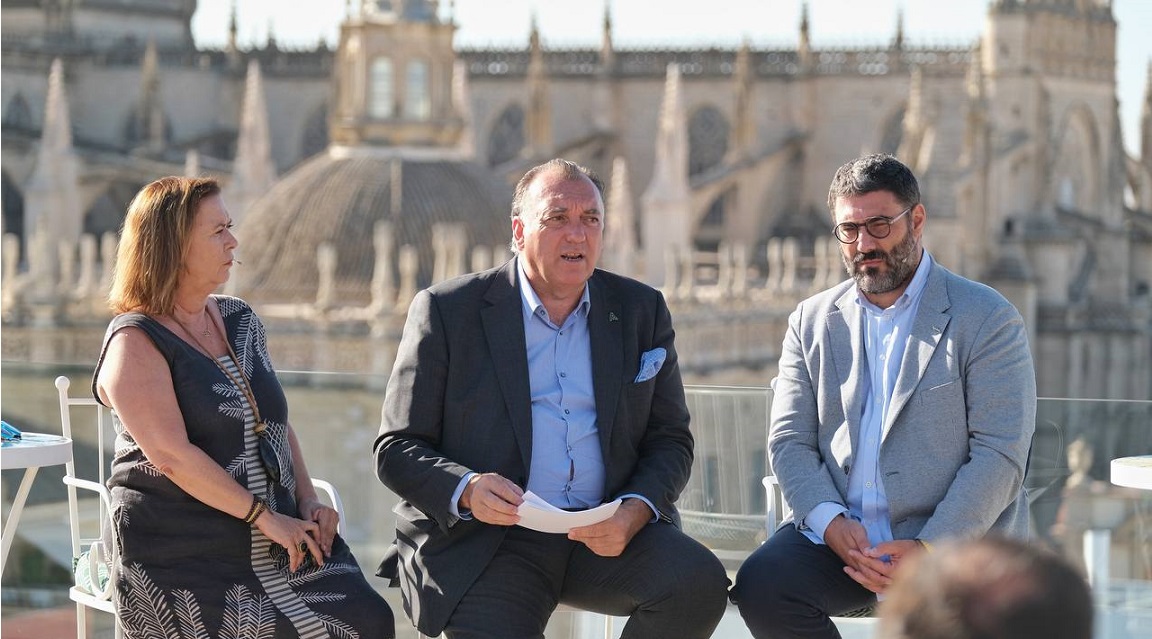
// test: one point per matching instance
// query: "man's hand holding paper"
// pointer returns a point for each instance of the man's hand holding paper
(492, 499)
(537, 514)
(610, 537)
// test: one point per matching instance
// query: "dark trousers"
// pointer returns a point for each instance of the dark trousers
(789, 587)
(669, 585)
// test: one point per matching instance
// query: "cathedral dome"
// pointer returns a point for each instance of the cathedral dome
(339, 198)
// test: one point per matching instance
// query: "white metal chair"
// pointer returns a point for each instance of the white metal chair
(91, 560)
(91, 586)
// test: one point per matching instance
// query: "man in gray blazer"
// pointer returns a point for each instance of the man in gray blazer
(902, 414)
(548, 375)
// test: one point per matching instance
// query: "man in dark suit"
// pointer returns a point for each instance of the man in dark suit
(547, 375)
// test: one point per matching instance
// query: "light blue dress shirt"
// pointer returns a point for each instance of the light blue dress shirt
(885, 340)
(567, 464)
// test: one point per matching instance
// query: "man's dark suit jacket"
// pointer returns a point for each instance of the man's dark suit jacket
(459, 401)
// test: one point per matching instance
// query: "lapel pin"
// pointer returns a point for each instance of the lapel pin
(612, 317)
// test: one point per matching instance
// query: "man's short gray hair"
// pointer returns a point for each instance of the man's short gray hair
(567, 169)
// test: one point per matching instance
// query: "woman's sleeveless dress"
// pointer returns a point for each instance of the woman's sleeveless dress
(186, 570)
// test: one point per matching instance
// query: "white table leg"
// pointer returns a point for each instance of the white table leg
(14, 514)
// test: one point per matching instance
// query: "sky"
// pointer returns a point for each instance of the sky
(635, 23)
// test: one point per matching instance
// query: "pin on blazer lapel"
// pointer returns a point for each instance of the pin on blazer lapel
(605, 330)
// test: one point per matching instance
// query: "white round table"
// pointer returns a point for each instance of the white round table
(30, 452)
(1134, 472)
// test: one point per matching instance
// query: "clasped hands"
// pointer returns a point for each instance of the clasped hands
(312, 534)
(493, 499)
(871, 566)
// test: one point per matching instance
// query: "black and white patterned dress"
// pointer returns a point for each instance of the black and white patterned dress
(187, 570)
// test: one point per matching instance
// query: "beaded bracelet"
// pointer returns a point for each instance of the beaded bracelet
(258, 508)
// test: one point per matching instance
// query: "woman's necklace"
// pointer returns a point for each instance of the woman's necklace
(267, 455)
(205, 332)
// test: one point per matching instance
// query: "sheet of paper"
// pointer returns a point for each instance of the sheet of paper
(537, 514)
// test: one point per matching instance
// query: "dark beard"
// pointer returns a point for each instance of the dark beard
(901, 267)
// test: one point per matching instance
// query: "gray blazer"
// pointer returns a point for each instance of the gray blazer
(458, 401)
(963, 412)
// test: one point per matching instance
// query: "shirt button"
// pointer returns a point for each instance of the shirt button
(563, 374)
(868, 484)
(566, 411)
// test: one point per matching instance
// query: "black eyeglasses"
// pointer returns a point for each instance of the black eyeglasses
(878, 227)
(268, 456)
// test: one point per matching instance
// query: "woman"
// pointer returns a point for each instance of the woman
(218, 529)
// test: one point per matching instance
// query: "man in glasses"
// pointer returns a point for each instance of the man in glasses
(902, 415)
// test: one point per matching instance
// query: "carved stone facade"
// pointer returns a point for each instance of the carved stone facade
(723, 156)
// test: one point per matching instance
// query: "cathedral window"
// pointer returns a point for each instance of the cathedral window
(707, 139)
(417, 102)
(382, 101)
(17, 115)
(507, 139)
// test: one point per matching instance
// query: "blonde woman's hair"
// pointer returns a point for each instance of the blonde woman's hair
(153, 243)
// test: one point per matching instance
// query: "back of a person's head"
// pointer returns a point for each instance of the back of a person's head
(988, 589)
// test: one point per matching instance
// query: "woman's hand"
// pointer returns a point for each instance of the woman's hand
(296, 535)
(326, 518)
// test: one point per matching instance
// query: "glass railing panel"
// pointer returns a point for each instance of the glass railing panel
(1074, 506)
(723, 503)
(337, 417)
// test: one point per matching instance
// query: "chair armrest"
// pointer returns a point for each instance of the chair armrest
(333, 498)
(95, 555)
(774, 508)
(95, 560)
(99, 489)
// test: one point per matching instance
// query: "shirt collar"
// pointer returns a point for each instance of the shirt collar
(532, 303)
(910, 295)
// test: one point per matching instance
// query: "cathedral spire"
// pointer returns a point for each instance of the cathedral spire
(607, 50)
(1146, 122)
(52, 210)
(898, 39)
(744, 131)
(462, 105)
(804, 51)
(539, 117)
(604, 102)
(271, 45)
(533, 34)
(620, 245)
(147, 131)
(232, 49)
(667, 200)
(233, 28)
(912, 149)
(253, 171)
(975, 133)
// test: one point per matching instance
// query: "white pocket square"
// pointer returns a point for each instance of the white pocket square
(650, 364)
